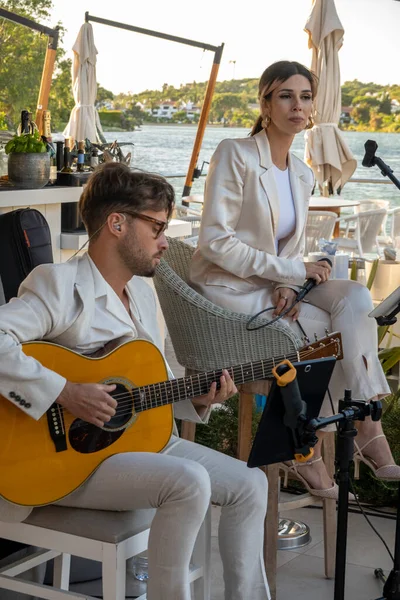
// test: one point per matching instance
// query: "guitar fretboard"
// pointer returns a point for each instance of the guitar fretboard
(175, 390)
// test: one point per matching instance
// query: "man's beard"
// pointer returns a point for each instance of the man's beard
(136, 259)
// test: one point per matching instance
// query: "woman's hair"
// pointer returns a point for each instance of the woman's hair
(113, 187)
(272, 77)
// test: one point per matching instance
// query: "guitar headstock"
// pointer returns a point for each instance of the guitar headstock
(331, 345)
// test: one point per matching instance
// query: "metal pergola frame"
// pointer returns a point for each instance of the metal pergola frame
(48, 66)
(209, 91)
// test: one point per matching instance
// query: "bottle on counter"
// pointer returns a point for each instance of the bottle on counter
(94, 159)
(67, 158)
(31, 124)
(80, 167)
(47, 139)
(60, 155)
(23, 127)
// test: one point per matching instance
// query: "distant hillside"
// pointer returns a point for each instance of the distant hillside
(367, 106)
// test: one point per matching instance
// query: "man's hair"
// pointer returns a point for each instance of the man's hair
(113, 187)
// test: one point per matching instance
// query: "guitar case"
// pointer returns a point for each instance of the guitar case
(25, 243)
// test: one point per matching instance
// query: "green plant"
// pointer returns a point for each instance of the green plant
(221, 432)
(27, 143)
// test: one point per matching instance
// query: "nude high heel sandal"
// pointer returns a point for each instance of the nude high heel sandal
(292, 469)
(386, 472)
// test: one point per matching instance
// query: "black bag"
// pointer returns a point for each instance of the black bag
(25, 243)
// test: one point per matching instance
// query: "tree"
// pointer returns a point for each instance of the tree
(133, 117)
(22, 53)
(180, 117)
(103, 94)
(361, 113)
(223, 105)
(385, 105)
(375, 121)
(368, 100)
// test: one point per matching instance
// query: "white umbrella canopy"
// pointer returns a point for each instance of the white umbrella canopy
(84, 120)
(326, 151)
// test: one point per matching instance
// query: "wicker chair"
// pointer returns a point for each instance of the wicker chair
(206, 337)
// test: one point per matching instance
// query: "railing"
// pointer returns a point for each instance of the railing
(380, 181)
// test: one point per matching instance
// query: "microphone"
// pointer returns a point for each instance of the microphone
(369, 157)
(310, 283)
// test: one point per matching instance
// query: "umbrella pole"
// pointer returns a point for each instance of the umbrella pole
(45, 84)
(205, 111)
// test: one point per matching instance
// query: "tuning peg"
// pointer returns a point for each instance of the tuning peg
(316, 337)
(306, 340)
(327, 332)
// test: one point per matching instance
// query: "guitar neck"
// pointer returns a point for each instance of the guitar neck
(175, 390)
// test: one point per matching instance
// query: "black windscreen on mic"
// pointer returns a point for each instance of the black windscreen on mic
(310, 283)
(369, 157)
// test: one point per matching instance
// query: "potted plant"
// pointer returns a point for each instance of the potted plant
(28, 161)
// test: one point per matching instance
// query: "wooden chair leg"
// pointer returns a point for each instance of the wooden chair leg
(244, 425)
(271, 527)
(188, 430)
(329, 509)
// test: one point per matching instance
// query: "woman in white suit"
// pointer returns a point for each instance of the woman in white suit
(250, 256)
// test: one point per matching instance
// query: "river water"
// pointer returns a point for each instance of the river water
(167, 149)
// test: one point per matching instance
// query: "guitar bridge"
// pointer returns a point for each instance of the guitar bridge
(55, 422)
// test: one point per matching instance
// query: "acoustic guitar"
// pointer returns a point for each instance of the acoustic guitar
(43, 461)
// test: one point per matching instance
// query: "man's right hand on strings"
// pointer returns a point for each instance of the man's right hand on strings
(90, 402)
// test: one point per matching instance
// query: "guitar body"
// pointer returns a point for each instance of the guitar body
(32, 472)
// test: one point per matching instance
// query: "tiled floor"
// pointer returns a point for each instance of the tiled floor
(301, 572)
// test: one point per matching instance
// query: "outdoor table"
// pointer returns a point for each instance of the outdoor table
(333, 205)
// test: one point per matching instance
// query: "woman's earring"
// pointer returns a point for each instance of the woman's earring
(266, 122)
(310, 123)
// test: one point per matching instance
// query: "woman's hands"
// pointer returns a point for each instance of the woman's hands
(282, 298)
(319, 271)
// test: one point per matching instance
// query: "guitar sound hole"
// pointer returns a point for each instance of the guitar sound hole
(124, 408)
(86, 438)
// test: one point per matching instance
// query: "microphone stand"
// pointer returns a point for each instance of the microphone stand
(391, 590)
(370, 160)
(349, 411)
(304, 437)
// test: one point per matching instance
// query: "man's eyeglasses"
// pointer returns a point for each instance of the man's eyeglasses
(161, 225)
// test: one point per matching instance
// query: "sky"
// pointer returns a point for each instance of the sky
(255, 33)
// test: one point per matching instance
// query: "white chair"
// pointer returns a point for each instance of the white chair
(105, 536)
(320, 224)
(369, 204)
(394, 216)
(367, 226)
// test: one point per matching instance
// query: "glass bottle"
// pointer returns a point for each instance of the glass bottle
(80, 167)
(67, 167)
(94, 159)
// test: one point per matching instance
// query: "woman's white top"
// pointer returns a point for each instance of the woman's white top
(287, 213)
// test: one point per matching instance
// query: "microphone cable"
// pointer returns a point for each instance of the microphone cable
(275, 319)
(301, 294)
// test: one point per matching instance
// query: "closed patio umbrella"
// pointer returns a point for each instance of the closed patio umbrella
(326, 151)
(84, 120)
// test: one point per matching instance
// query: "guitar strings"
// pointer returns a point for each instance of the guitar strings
(204, 376)
(131, 399)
